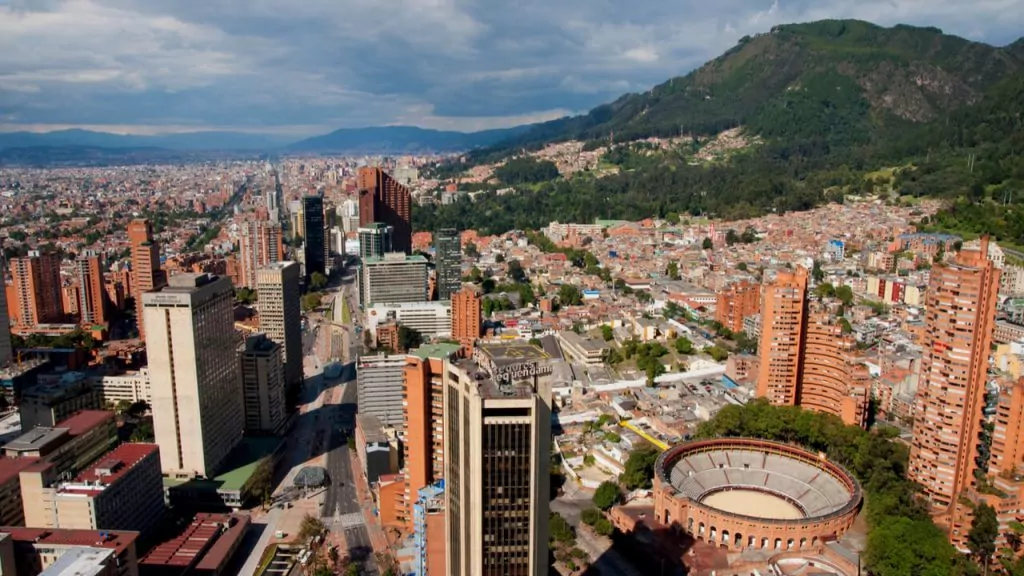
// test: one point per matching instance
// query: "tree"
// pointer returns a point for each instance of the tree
(245, 295)
(606, 333)
(742, 266)
(606, 495)
(310, 527)
(731, 237)
(816, 272)
(639, 469)
(653, 370)
(707, 244)
(310, 301)
(981, 540)
(409, 338)
(672, 270)
(516, 272)
(137, 409)
(317, 281)
(604, 527)
(569, 295)
(717, 353)
(262, 482)
(845, 295)
(683, 345)
(470, 250)
(499, 258)
(122, 406)
(644, 297)
(590, 516)
(560, 530)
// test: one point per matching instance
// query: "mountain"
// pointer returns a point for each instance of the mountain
(402, 139)
(846, 80)
(184, 141)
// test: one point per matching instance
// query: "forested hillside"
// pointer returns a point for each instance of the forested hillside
(831, 101)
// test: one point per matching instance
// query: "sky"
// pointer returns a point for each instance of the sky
(303, 67)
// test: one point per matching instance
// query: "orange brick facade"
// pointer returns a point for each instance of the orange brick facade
(736, 302)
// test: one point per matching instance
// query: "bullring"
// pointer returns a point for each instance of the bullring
(743, 493)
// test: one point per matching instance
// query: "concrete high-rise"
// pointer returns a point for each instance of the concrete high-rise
(448, 258)
(379, 384)
(278, 293)
(375, 240)
(466, 317)
(497, 431)
(736, 302)
(37, 287)
(783, 317)
(384, 199)
(92, 294)
(960, 316)
(260, 243)
(262, 372)
(315, 239)
(423, 377)
(197, 398)
(392, 279)
(146, 272)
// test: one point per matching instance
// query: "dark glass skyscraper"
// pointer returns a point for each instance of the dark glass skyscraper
(448, 255)
(316, 241)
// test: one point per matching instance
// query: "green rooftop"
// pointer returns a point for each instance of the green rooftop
(440, 350)
(240, 465)
(395, 257)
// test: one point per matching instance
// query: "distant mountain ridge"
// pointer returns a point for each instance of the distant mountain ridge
(373, 140)
(402, 139)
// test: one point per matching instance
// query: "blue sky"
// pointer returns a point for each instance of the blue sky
(309, 66)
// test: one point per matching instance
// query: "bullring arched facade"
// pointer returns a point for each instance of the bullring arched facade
(826, 495)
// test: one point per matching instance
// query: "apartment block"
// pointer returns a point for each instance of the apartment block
(959, 317)
(278, 291)
(260, 243)
(467, 318)
(736, 302)
(783, 312)
(395, 277)
(37, 289)
(37, 551)
(448, 259)
(122, 490)
(383, 199)
(263, 386)
(6, 348)
(197, 398)
(497, 414)
(49, 402)
(379, 382)
(146, 272)
(92, 294)
(423, 420)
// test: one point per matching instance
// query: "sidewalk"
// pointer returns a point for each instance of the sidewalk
(377, 537)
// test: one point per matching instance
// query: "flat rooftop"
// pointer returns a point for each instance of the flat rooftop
(199, 543)
(39, 439)
(488, 388)
(50, 537)
(11, 467)
(512, 352)
(80, 562)
(442, 350)
(85, 420)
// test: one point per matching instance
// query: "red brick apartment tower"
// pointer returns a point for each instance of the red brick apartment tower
(960, 316)
(383, 199)
(37, 290)
(146, 272)
(92, 294)
(466, 321)
(736, 302)
(831, 379)
(783, 317)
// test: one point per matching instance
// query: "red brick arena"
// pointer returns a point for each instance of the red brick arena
(742, 493)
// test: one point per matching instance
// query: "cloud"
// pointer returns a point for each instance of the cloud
(314, 65)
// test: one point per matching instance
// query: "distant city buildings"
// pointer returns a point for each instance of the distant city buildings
(260, 243)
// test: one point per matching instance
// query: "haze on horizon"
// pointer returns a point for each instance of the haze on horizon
(302, 68)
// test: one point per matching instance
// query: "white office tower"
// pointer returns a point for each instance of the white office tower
(197, 397)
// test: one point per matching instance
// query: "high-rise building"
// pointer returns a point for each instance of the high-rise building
(260, 243)
(783, 317)
(448, 257)
(38, 288)
(395, 278)
(961, 305)
(278, 293)
(375, 240)
(146, 272)
(262, 373)
(379, 384)
(197, 398)
(805, 359)
(92, 294)
(6, 348)
(497, 430)
(384, 199)
(423, 377)
(466, 317)
(315, 240)
(736, 302)
(349, 214)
